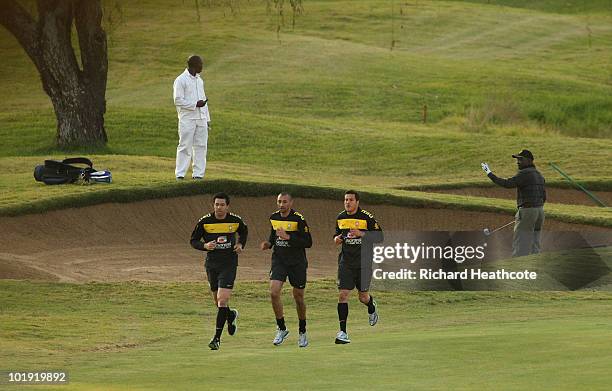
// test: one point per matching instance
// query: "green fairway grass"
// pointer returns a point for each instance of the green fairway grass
(153, 336)
(338, 100)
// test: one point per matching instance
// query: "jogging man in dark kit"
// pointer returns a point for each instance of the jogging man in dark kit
(216, 233)
(289, 238)
(352, 224)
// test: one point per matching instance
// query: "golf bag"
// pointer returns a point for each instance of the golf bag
(55, 172)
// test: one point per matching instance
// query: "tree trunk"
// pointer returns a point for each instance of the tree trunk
(78, 95)
(80, 119)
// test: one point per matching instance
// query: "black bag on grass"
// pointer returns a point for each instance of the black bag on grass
(77, 169)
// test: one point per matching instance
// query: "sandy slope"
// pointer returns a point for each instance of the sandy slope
(149, 240)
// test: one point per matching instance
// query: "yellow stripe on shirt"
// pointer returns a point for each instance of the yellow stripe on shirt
(286, 225)
(352, 224)
(221, 228)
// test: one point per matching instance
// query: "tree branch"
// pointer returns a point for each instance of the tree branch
(62, 73)
(22, 25)
(92, 42)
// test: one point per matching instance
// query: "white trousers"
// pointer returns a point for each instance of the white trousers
(193, 140)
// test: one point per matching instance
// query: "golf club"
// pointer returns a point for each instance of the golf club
(488, 232)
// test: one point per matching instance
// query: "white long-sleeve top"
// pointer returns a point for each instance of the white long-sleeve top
(188, 90)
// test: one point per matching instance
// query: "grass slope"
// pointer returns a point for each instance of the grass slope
(328, 103)
(455, 57)
(153, 336)
(139, 178)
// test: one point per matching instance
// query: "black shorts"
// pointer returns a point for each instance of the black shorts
(353, 277)
(296, 273)
(221, 276)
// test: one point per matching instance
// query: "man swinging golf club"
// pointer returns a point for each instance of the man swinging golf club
(530, 199)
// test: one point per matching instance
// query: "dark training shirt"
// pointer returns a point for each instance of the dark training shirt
(292, 251)
(223, 232)
(351, 246)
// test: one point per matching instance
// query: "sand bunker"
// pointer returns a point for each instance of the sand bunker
(149, 240)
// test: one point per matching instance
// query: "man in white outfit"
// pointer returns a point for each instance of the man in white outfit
(194, 120)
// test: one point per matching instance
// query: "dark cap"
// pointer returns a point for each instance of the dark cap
(524, 153)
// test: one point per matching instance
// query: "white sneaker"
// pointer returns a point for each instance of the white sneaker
(281, 335)
(373, 317)
(303, 340)
(342, 338)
